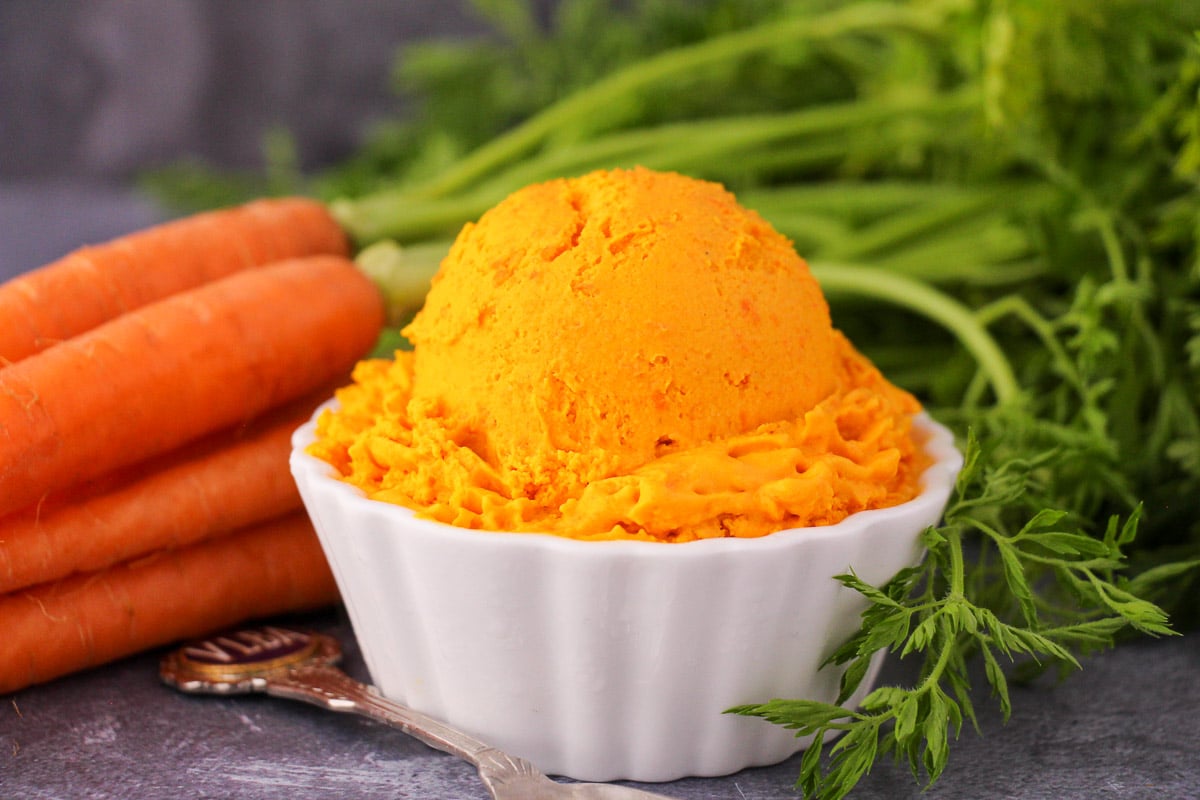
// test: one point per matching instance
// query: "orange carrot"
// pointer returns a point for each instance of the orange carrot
(227, 481)
(148, 381)
(95, 618)
(95, 284)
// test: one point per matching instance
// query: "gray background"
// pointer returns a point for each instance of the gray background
(92, 91)
(103, 88)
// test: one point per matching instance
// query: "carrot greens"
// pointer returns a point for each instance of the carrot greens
(1001, 199)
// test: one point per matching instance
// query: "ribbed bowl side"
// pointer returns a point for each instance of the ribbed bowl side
(607, 660)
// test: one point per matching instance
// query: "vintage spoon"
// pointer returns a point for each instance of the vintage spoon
(300, 665)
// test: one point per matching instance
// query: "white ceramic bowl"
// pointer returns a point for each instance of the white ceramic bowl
(608, 660)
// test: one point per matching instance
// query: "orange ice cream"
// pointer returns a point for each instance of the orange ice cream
(629, 354)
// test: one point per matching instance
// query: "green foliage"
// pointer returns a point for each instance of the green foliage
(998, 608)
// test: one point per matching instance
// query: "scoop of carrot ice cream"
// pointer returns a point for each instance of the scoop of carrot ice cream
(628, 354)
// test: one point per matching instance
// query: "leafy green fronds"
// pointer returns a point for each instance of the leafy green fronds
(927, 613)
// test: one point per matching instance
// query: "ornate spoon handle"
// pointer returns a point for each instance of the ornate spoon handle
(329, 687)
(299, 665)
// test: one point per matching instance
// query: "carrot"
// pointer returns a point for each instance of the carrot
(95, 284)
(147, 382)
(225, 482)
(92, 619)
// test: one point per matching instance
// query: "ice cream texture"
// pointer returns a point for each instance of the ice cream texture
(629, 354)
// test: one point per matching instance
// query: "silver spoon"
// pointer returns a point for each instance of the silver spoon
(300, 665)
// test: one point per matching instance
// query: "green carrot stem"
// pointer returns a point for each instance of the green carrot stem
(858, 200)
(933, 304)
(396, 214)
(861, 17)
(810, 231)
(1019, 307)
(898, 229)
(402, 273)
(992, 256)
(405, 214)
(675, 145)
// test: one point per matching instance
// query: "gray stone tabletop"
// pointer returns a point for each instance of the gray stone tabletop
(1125, 728)
(90, 90)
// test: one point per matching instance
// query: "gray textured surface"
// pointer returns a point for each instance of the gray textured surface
(1124, 728)
(103, 88)
(91, 90)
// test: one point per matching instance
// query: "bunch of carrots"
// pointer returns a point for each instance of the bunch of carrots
(149, 387)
